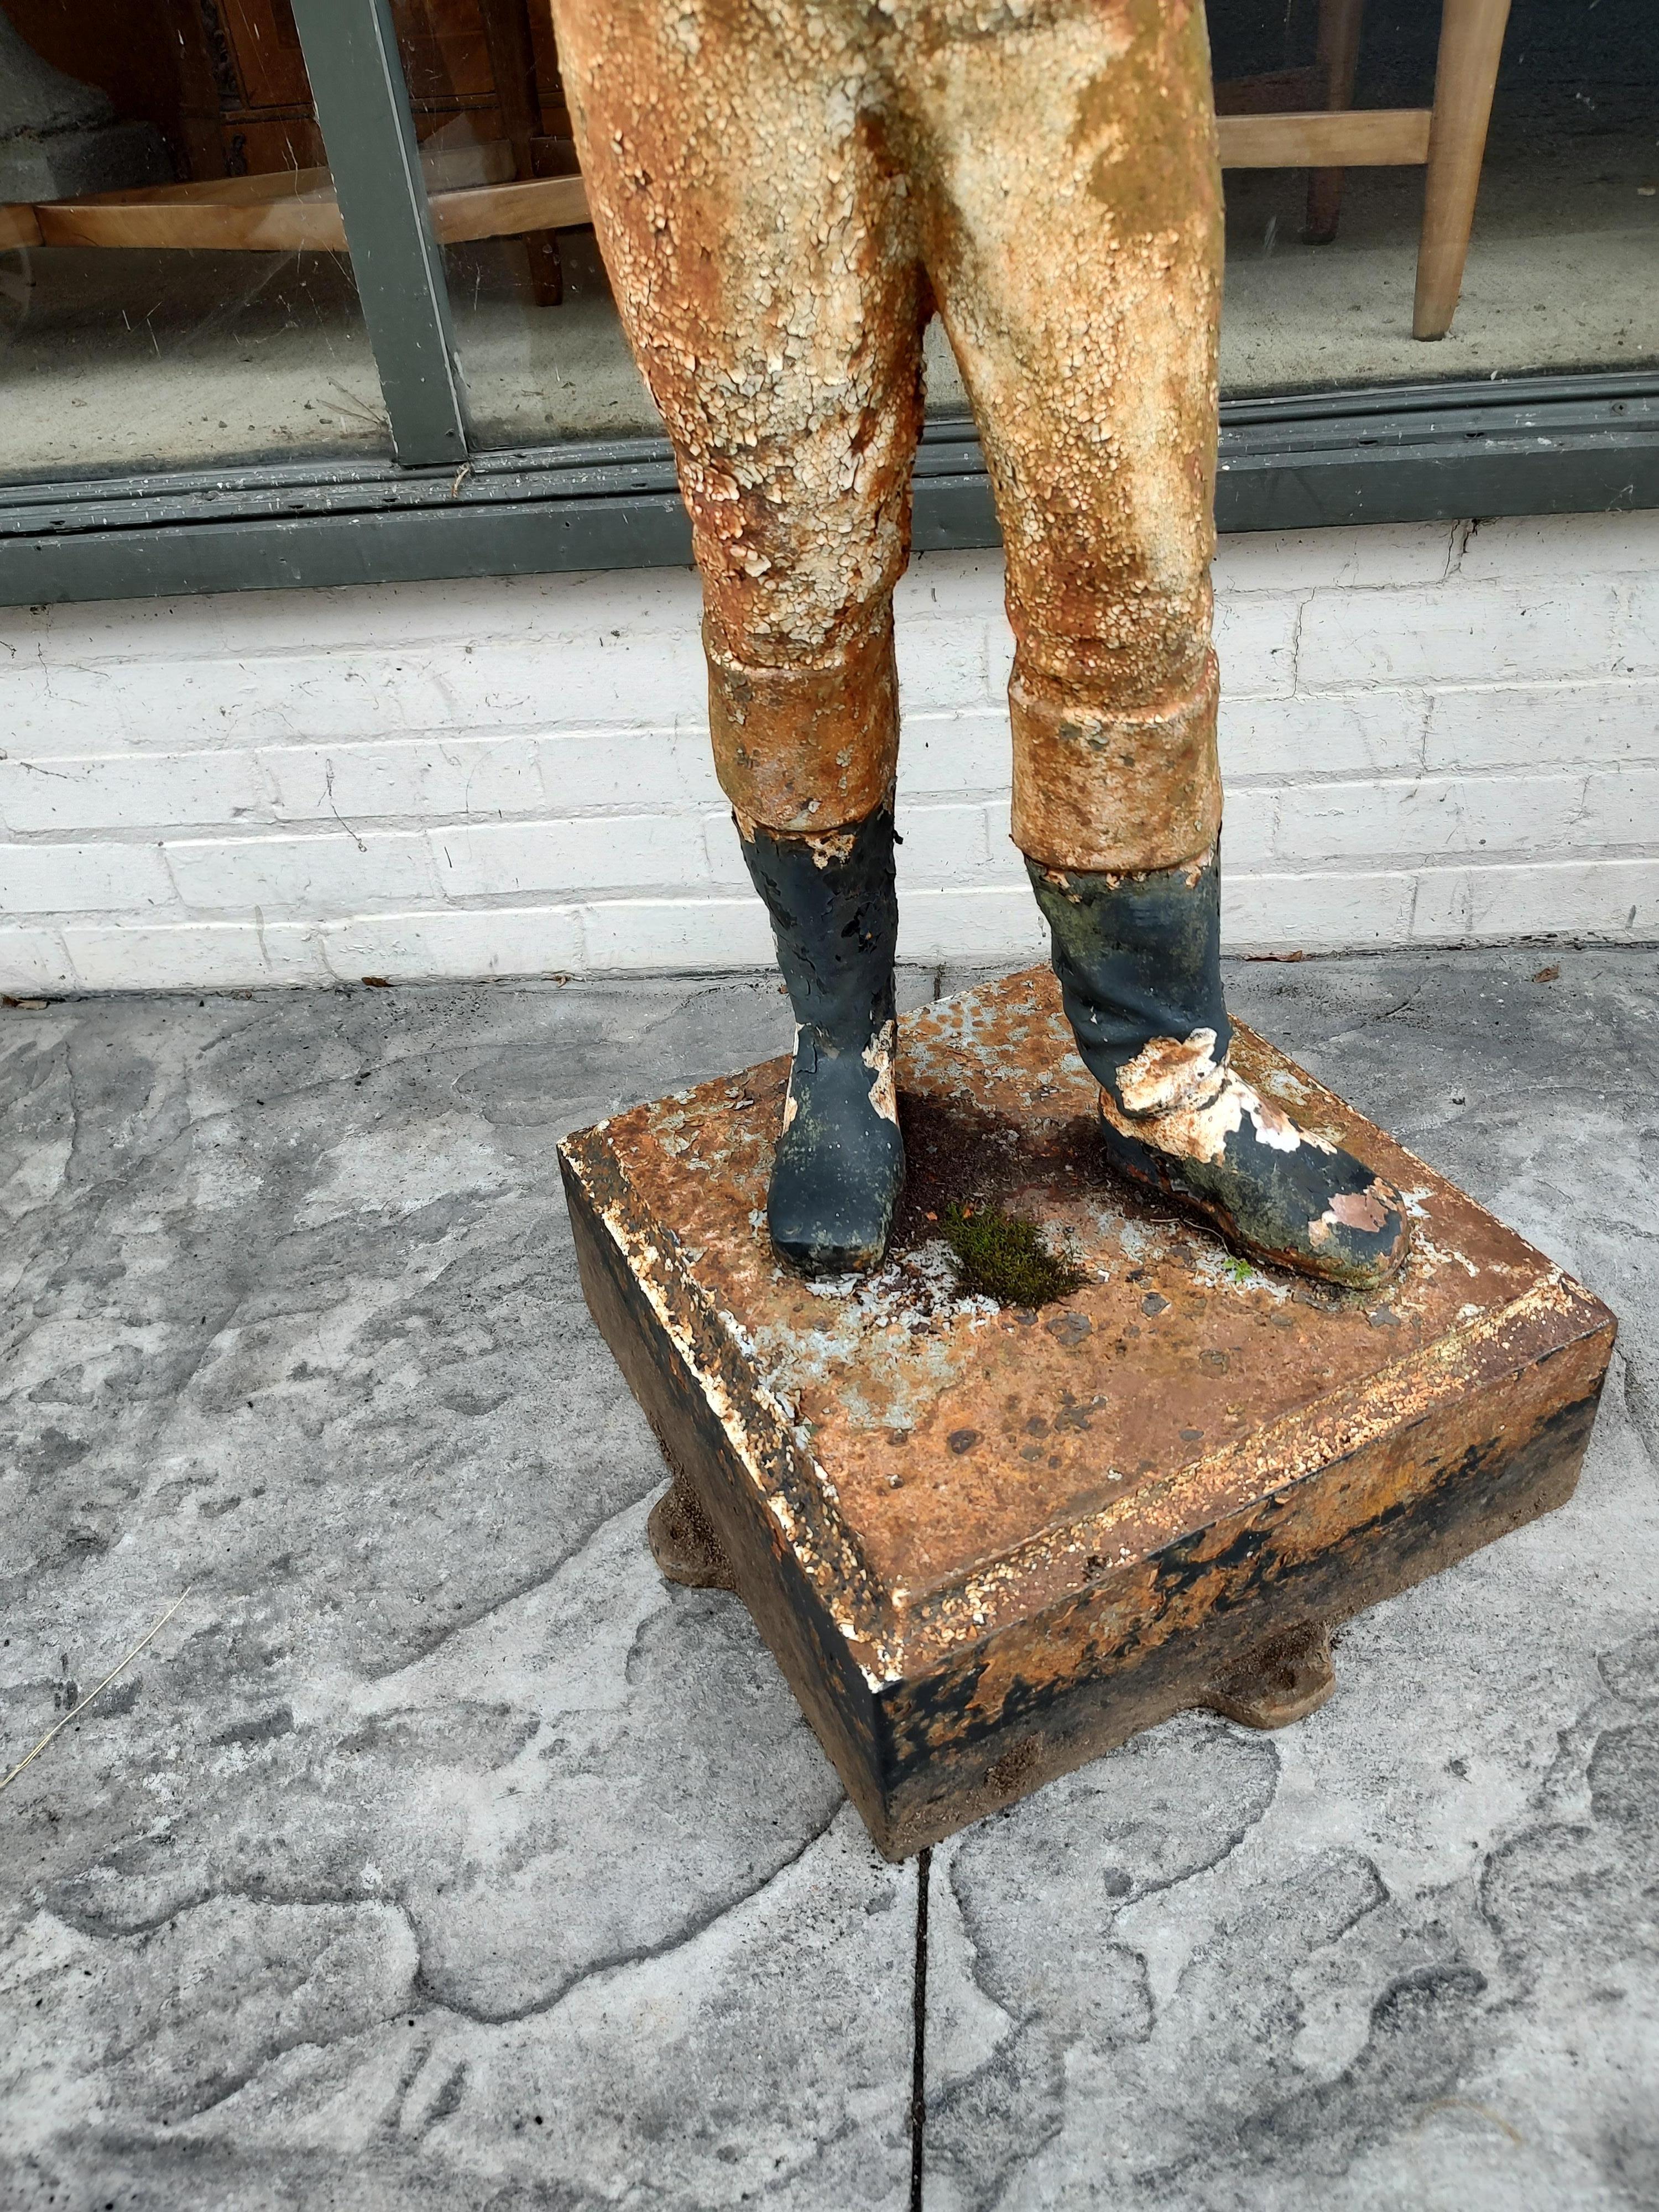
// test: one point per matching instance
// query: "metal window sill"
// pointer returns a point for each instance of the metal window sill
(1393, 453)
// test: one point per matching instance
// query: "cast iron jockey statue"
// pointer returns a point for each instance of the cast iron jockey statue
(785, 192)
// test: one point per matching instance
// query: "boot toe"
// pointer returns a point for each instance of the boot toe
(827, 1223)
(1294, 1204)
(1363, 1236)
(835, 1176)
(826, 1247)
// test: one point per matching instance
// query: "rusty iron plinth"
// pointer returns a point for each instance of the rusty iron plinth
(986, 1544)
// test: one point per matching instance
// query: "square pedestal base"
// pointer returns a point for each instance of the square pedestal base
(986, 1544)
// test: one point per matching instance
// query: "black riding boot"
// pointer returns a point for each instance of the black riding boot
(1139, 967)
(840, 1160)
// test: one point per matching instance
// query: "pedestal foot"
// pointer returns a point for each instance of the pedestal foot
(683, 1545)
(1282, 1681)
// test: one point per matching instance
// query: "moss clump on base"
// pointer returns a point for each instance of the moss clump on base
(999, 1256)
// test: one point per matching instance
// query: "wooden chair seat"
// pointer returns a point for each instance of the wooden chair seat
(289, 211)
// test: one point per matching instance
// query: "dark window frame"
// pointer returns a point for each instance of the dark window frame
(438, 507)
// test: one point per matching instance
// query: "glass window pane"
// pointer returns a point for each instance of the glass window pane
(1562, 267)
(540, 346)
(536, 329)
(1563, 270)
(205, 313)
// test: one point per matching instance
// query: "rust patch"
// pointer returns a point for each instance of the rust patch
(1111, 792)
(1146, 116)
(807, 748)
(996, 1109)
(1282, 1681)
(683, 1545)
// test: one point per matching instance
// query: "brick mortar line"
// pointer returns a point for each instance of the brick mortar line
(312, 830)
(970, 702)
(35, 642)
(1270, 867)
(320, 973)
(1421, 691)
(209, 829)
(1386, 776)
(1385, 860)
(185, 918)
(420, 650)
(432, 665)
(57, 764)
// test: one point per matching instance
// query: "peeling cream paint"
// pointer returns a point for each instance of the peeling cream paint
(831, 848)
(1168, 1073)
(791, 1108)
(1199, 1130)
(1366, 1209)
(878, 1056)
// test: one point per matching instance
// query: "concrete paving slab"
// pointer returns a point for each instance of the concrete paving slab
(435, 1848)
(292, 1325)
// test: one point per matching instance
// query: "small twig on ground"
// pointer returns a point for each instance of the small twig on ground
(92, 1693)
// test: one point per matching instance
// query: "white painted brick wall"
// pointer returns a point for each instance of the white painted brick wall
(1429, 735)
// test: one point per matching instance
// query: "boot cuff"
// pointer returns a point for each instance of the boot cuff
(802, 749)
(1115, 794)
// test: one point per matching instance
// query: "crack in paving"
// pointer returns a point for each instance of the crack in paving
(698, 1925)
(919, 2038)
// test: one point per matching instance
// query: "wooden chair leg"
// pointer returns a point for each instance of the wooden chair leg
(1339, 59)
(546, 269)
(1471, 44)
(513, 64)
